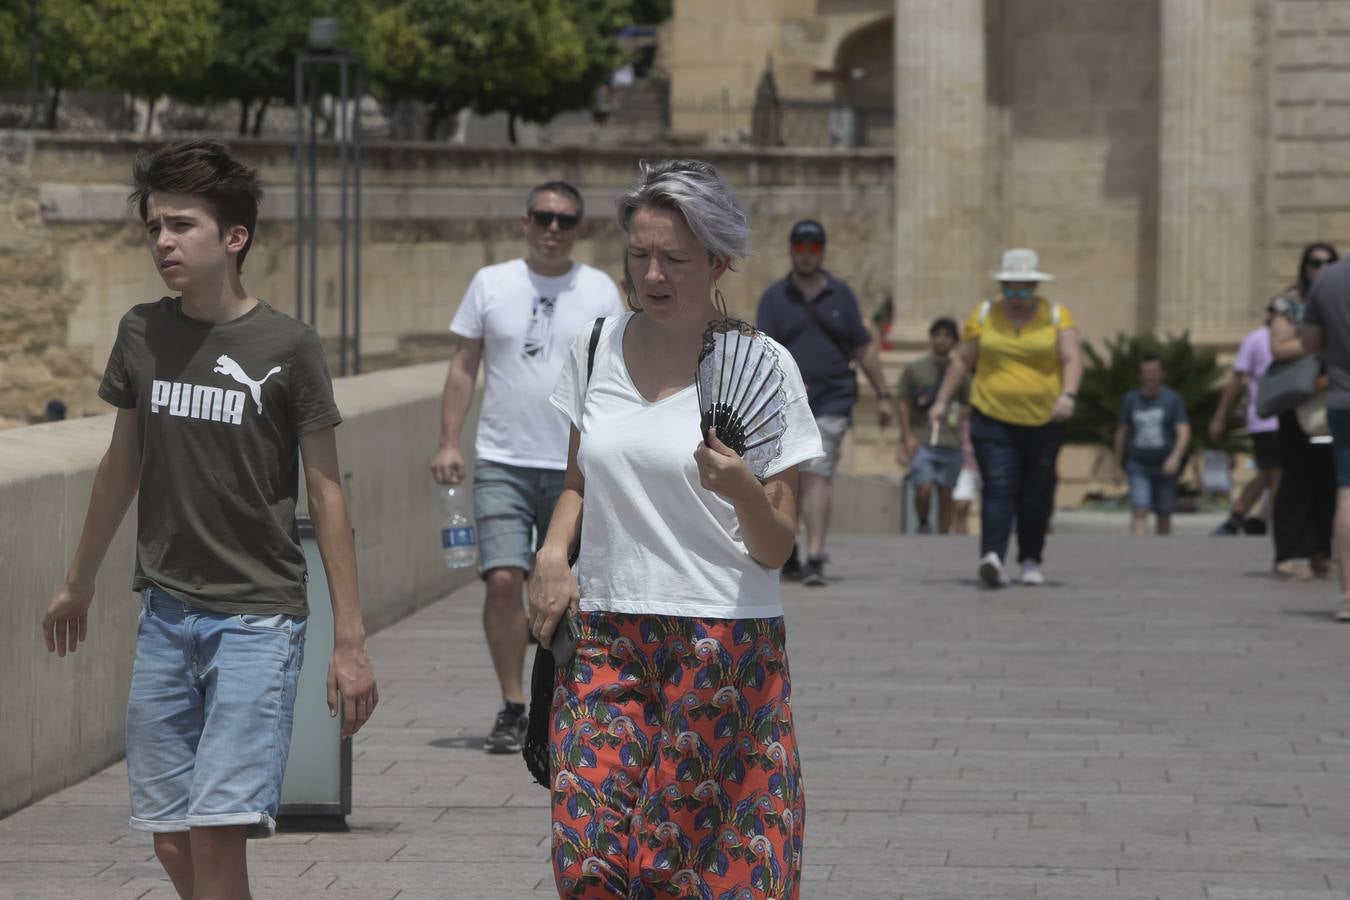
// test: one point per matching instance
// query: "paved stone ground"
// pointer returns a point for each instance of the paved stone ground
(1161, 721)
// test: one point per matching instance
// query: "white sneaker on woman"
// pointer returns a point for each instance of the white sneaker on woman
(1031, 574)
(991, 571)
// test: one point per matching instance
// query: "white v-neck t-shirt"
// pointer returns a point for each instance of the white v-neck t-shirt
(652, 539)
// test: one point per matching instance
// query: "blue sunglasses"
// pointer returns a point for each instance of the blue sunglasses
(1018, 293)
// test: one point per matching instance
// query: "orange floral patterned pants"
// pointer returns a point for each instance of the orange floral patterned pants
(675, 766)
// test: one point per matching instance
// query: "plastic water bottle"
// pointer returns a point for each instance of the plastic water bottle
(459, 537)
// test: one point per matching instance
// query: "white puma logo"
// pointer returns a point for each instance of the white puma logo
(227, 366)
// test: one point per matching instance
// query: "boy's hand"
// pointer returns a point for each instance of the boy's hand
(351, 675)
(67, 619)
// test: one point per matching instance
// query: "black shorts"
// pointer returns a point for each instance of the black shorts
(1266, 449)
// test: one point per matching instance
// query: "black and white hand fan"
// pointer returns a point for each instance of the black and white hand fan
(740, 392)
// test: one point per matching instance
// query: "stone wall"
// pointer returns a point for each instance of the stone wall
(1308, 185)
(63, 718)
(72, 260)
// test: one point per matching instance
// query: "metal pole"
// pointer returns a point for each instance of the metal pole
(356, 241)
(314, 206)
(342, 214)
(299, 188)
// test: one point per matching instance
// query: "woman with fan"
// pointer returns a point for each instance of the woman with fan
(674, 764)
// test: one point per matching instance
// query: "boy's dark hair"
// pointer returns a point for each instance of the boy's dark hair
(556, 187)
(1152, 357)
(945, 324)
(203, 169)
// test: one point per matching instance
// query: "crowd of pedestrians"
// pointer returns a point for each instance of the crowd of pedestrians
(647, 545)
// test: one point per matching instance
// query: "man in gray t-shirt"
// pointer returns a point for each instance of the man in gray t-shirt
(1326, 331)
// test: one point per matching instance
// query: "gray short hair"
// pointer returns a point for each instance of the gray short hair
(698, 192)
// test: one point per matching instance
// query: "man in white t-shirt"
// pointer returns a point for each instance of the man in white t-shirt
(520, 318)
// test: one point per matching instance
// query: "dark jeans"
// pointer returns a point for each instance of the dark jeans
(1017, 466)
(1305, 504)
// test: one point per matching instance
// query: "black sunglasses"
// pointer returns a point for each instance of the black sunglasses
(1318, 262)
(544, 218)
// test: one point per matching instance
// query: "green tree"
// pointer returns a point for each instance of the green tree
(142, 47)
(528, 58)
(148, 48)
(256, 46)
(584, 55)
(13, 43)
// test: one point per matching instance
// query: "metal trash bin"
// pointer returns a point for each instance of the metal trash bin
(318, 780)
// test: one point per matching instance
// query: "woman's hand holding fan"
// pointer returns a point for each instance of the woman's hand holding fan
(722, 471)
(741, 402)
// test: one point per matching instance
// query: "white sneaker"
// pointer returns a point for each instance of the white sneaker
(1031, 574)
(991, 571)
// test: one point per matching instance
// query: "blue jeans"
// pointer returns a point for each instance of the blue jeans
(1017, 466)
(209, 716)
(1150, 489)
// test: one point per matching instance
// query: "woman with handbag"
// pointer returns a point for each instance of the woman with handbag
(1326, 332)
(1306, 500)
(1027, 361)
(673, 756)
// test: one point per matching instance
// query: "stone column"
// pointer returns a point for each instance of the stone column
(940, 265)
(1207, 169)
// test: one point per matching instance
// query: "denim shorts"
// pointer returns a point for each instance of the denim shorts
(936, 465)
(209, 716)
(1151, 489)
(832, 430)
(512, 506)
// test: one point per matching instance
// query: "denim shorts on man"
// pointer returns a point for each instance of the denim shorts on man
(1151, 489)
(209, 715)
(936, 465)
(832, 430)
(512, 506)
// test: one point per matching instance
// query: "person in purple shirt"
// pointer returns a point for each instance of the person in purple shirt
(1252, 360)
(816, 316)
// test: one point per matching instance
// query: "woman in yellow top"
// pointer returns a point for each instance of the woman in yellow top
(1027, 361)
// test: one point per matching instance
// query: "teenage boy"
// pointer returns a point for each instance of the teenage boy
(936, 460)
(518, 318)
(1151, 440)
(219, 397)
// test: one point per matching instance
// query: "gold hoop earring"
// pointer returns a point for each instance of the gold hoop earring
(720, 302)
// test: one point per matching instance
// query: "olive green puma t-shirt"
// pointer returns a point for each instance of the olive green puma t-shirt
(220, 409)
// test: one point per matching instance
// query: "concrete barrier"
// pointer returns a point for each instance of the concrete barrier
(63, 718)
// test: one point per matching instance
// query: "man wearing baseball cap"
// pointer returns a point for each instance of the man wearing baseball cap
(816, 316)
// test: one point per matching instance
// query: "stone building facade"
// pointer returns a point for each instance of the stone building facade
(1168, 158)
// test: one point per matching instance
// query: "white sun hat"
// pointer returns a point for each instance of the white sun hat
(1021, 264)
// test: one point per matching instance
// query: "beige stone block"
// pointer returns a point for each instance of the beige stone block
(1319, 84)
(1335, 16)
(1298, 15)
(1311, 191)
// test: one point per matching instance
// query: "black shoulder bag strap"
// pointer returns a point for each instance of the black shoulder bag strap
(545, 670)
(590, 352)
(830, 334)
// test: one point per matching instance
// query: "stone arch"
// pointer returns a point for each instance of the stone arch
(865, 60)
